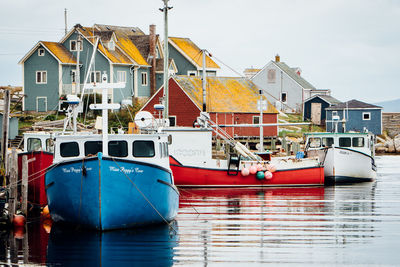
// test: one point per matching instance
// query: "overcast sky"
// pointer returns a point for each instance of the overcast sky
(349, 46)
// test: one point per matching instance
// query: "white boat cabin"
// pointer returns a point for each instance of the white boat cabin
(362, 142)
(39, 141)
(140, 147)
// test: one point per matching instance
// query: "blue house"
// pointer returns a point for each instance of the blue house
(125, 54)
(314, 108)
(188, 58)
(358, 116)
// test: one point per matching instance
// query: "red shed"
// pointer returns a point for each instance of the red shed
(229, 101)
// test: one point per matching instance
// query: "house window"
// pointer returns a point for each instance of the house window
(144, 78)
(271, 76)
(41, 77)
(121, 76)
(172, 120)
(192, 73)
(73, 45)
(41, 52)
(95, 76)
(256, 119)
(73, 76)
(366, 116)
(283, 97)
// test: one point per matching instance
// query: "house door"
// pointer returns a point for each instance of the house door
(41, 104)
(316, 113)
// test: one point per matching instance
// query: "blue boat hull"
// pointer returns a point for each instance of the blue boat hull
(108, 193)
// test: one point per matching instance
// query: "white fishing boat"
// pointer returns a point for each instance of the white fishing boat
(347, 157)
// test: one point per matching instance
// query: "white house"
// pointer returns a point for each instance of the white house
(285, 85)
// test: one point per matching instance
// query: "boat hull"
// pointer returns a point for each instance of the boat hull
(106, 193)
(191, 176)
(39, 161)
(343, 165)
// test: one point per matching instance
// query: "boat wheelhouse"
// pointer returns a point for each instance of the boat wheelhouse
(347, 157)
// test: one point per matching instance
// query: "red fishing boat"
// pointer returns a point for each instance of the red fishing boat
(193, 166)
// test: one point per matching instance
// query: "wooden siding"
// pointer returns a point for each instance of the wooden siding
(355, 121)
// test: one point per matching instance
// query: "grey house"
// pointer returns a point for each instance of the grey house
(359, 116)
(314, 108)
(125, 54)
(285, 85)
(12, 127)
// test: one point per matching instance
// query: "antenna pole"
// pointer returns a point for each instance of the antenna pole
(204, 81)
(166, 69)
(65, 21)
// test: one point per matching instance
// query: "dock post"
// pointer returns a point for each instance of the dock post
(24, 185)
(13, 184)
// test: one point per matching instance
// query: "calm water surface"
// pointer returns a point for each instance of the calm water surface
(343, 225)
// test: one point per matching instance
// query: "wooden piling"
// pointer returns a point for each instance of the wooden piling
(12, 205)
(24, 185)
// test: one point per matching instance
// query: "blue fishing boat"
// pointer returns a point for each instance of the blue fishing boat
(111, 181)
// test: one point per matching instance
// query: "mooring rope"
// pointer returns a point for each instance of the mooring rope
(143, 195)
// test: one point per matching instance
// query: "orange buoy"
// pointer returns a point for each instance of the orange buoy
(19, 220)
(46, 212)
(47, 223)
(19, 232)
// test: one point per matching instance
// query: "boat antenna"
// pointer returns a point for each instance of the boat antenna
(166, 72)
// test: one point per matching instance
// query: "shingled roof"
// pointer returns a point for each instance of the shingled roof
(327, 98)
(224, 94)
(291, 72)
(192, 52)
(354, 104)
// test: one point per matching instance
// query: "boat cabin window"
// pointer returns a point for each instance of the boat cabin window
(34, 144)
(118, 148)
(327, 141)
(93, 147)
(345, 141)
(143, 149)
(69, 149)
(314, 142)
(49, 145)
(358, 141)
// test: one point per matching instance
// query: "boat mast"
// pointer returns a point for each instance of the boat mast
(204, 81)
(166, 72)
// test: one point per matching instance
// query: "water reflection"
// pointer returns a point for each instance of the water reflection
(273, 225)
(153, 246)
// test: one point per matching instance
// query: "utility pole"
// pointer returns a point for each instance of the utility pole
(204, 81)
(166, 71)
(78, 74)
(65, 21)
(6, 119)
(261, 149)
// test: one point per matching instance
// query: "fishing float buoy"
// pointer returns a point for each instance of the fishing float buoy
(268, 175)
(259, 167)
(271, 167)
(253, 169)
(260, 175)
(245, 171)
(46, 212)
(47, 223)
(19, 220)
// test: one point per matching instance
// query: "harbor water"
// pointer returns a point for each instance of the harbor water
(356, 224)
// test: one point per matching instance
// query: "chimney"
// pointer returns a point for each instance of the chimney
(277, 58)
(152, 52)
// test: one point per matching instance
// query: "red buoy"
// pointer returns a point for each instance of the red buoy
(19, 220)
